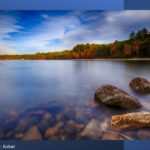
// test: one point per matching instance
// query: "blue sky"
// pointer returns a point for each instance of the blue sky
(43, 31)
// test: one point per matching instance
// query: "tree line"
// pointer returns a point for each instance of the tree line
(136, 46)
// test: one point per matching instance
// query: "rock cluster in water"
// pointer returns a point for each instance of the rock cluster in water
(65, 124)
(113, 96)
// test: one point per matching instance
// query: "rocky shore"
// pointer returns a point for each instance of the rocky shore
(96, 120)
(115, 97)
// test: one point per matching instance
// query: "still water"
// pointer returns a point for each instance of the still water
(57, 84)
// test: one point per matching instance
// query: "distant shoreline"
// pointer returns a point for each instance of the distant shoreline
(112, 59)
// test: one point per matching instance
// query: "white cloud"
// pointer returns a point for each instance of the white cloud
(52, 28)
(128, 16)
(123, 22)
(8, 25)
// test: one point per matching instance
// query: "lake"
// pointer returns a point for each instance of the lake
(64, 89)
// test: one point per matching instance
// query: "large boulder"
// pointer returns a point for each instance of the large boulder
(140, 85)
(131, 120)
(113, 96)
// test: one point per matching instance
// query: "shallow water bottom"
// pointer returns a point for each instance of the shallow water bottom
(66, 123)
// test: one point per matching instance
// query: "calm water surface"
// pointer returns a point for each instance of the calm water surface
(59, 84)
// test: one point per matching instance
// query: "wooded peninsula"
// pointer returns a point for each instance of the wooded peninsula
(136, 46)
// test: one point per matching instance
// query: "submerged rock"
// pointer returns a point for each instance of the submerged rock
(96, 130)
(13, 113)
(51, 132)
(110, 136)
(92, 130)
(18, 136)
(23, 125)
(113, 96)
(1, 134)
(47, 116)
(140, 85)
(9, 134)
(131, 120)
(104, 125)
(144, 135)
(32, 134)
(73, 127)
